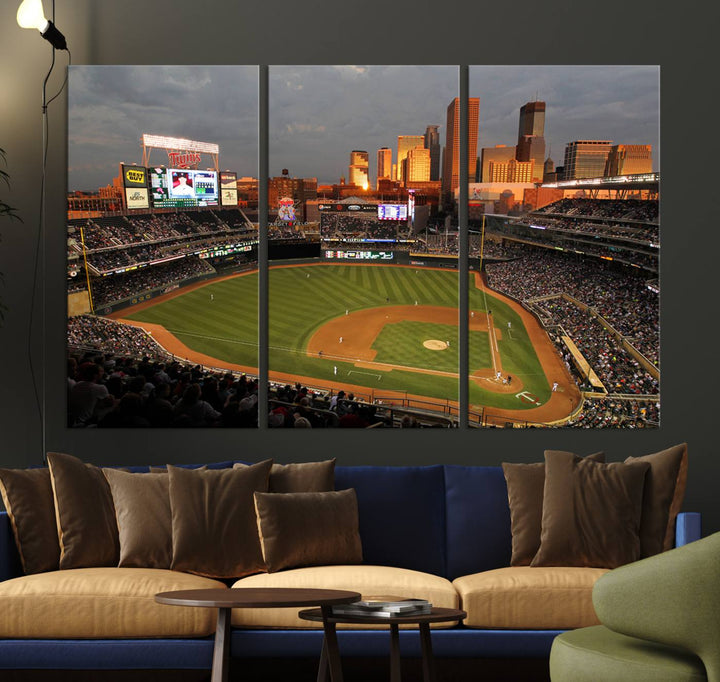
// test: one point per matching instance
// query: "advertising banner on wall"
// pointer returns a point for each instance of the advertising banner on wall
(228, 188)
(135, 181)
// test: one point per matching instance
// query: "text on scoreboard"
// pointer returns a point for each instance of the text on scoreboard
(359, 255)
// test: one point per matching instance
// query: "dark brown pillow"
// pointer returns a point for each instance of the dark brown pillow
(308, 529)
(163, 469)
(214, 532)
(28, 498)
(662, 499)
(300, 477)
(144, 519)
(591, 512)
(525, 484)
(87, 529)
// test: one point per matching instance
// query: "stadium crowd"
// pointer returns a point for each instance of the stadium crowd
(620, 209)
(107, 290)
(639, 233)
(602, 413)
(620, 296)
(344, 225)
(119, 377)
(615, 367)
(114, 231)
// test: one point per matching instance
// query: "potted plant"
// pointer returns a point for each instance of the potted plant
(6, 211)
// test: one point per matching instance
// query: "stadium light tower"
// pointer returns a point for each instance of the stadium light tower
(30, 14)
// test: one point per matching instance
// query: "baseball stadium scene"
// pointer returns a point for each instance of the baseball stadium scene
(363, 248)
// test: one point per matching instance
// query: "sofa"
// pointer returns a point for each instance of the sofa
(437, 532)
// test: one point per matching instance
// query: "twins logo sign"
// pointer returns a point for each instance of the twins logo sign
(184, 159)
(286, 210)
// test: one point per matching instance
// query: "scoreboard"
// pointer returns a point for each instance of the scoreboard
(359, 255)
(392, 211)
(180, 187)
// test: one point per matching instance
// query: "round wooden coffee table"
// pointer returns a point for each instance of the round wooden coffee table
(257, 598)
(330, 650)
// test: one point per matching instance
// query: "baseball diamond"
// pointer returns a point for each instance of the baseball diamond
(382, 330)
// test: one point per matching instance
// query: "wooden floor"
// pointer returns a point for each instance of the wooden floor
(305, 670)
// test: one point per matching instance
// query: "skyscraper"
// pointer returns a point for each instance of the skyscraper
(359, 164)
(417, 165)
(451, 161)
(532, 119)
(531, 140)
(432, 142)
(405, 144)
(629, 159)
(500, 153)
(384, 164)
(586, 159)
(511, 171)
(549, 174)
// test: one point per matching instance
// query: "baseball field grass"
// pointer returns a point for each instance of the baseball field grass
(220, 320)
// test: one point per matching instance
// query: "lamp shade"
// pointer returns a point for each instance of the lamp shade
(30, 14)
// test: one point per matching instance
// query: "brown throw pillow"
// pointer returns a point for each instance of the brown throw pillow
(525, 484)
(142, 508)
(28, 498)
(300, 477)
(662, 499)
(591, 512)
(84, 512)
(308, 529)
(214, 532)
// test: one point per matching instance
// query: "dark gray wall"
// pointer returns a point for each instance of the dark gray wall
(400, 32)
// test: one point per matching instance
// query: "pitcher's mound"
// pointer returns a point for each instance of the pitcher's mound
(434, 344)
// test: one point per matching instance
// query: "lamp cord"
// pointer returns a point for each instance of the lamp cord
(40, 261)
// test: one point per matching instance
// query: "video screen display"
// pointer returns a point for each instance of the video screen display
(359, 255)
(392, 211)
(178, 187)
(228, 189)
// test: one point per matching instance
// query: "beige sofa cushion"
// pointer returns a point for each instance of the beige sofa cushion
(529, 598)
(102, 603)
(368, 580)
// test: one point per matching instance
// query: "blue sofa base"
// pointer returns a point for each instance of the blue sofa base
(196, 654)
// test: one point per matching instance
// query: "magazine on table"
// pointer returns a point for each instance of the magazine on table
(383, 607)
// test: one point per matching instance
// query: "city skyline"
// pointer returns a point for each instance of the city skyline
(618, 103)
(583, 102)
(319, 114)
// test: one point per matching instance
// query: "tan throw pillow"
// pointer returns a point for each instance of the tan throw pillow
(28, 498)
(591, 512)
(300, 477)
(214, 532)
(308, 529)
(84, 512)
(525, 484)
(663, 498)
(142, 508)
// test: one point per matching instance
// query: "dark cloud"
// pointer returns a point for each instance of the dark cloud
(110, 107)
(618, 103)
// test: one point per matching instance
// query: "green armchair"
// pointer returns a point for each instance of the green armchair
(660, 622)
